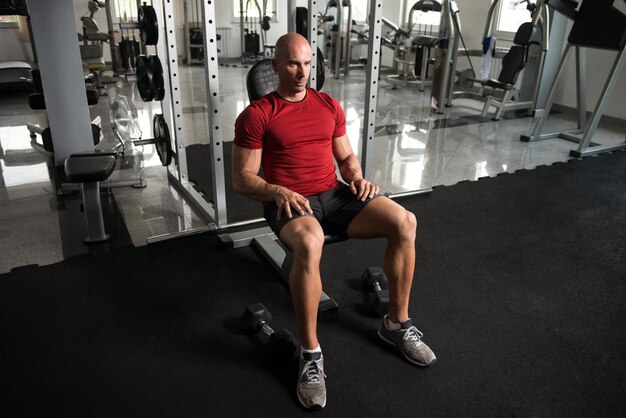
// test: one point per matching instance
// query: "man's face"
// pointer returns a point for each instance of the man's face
(294, 67)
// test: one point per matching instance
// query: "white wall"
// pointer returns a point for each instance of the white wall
(15, 43)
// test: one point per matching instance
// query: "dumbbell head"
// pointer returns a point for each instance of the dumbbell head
(255, 316)
(375, 281)
(380, 304)
(373, 275)
(283, 343)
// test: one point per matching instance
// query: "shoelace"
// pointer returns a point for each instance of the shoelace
(414, 335)
(312, 371)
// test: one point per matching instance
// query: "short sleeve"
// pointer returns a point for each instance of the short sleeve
(249, 128)
(340, 120)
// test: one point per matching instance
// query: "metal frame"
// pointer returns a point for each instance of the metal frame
(581, 135)
(312, 26)
(371, 84)
(171, 107)
(262, 238)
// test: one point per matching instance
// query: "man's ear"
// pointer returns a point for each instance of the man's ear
(274, 65)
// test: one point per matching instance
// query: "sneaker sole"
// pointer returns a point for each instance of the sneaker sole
(312, 407)
(405, 356)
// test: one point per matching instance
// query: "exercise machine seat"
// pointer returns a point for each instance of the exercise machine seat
(87, 168)
(261, 79)
(37, 101)
(515, 60)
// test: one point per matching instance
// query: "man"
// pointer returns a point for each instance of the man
(293, 134)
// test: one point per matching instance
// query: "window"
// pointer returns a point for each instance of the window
(9, 21)
(510, 14)
(251, 10)
(360, 10)
(121, 11)
(422, 20)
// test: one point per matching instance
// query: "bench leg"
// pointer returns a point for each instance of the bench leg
(93, 213)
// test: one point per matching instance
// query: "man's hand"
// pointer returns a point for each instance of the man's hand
(363, 189)
(286, 200)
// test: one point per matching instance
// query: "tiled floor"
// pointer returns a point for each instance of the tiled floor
(414, 149)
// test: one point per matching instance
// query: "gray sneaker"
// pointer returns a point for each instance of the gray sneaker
(409, 341)
(311, 387)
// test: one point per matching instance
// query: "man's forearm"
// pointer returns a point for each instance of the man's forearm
(254, 187)
(350, 169)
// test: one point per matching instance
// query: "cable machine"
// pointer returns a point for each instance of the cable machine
(447, 77)
(412, 47)
(194, 43)
(252, 42)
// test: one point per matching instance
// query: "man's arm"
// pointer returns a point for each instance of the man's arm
(350, 169)
(246, 181)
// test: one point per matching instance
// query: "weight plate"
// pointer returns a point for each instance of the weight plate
(466, 78)
(158, 84)
(162, 139)
(148, 25)
(321, 75)
(144, 78)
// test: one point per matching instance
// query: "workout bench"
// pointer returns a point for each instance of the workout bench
(89, 169)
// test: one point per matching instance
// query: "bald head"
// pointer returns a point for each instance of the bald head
(292, 62)
(289, 42)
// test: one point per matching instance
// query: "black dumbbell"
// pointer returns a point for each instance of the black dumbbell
(257, 318)
(374, 280)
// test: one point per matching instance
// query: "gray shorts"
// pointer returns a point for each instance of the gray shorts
(334, 210)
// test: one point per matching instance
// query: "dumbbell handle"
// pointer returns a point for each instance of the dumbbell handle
(267, 330)
(376, 287)
(144, 141)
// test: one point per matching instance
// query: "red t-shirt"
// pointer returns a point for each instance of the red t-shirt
(296, 138)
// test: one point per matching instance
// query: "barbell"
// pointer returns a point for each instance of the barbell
(162, 140)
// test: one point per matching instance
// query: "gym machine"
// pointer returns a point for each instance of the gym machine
(599, 25)
(339, 33)
(91, 49)
(253, 43)
(538, 68)
(194, 44)
(447, 77)
(412, 47)
(193, 33)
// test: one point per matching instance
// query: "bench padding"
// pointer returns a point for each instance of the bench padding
(89, 168)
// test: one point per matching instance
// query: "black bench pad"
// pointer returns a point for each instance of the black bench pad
(89, 168)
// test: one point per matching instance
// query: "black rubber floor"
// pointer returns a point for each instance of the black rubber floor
(519, 290)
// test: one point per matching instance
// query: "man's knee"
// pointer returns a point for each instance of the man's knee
(310, 244)
(404, 224)
(304, 239)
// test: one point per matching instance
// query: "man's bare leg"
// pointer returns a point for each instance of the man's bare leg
(304, 238)
(383, 217)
